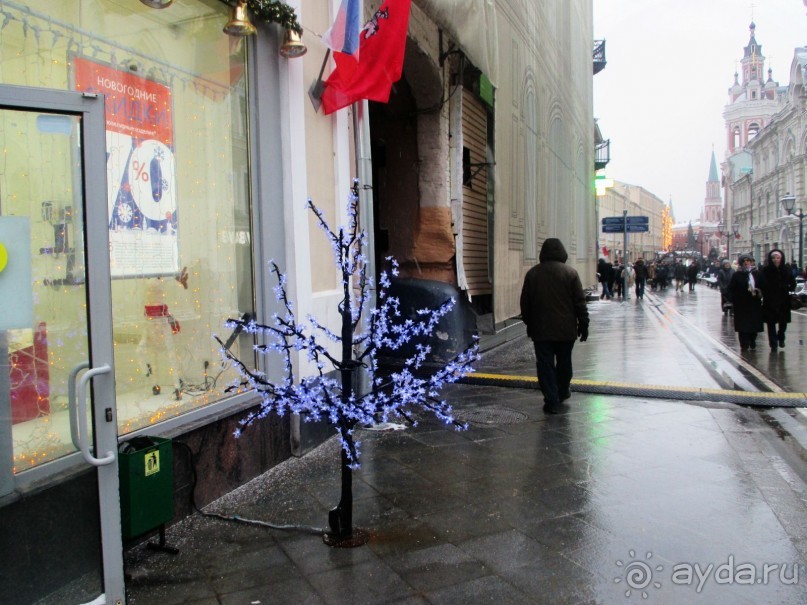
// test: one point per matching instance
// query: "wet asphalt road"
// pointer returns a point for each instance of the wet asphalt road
(701, 310)
(669, 339)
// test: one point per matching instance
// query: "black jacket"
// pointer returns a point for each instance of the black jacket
(776, 285)
(747, 307)
(723, 279)
(641, 271)
(553, 304)
(606, 271)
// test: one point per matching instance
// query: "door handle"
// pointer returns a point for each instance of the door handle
(81, 413)
(71, 401)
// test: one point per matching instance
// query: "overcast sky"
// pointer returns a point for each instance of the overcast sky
(660, 99)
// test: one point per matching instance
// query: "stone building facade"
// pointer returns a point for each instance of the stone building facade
(779, 169)
(638, 201)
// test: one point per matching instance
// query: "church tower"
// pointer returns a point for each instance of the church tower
(712, 205)
(751, 102)
(750, 107)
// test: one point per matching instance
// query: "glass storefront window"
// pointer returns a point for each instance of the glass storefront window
(178, 199)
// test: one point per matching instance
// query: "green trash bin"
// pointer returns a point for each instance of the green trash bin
(146, 471)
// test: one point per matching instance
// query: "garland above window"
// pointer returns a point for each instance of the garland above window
(275, 11)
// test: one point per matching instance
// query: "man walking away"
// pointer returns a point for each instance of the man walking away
(692, 274)
(680, 276)
(553, 307)
(641, 278)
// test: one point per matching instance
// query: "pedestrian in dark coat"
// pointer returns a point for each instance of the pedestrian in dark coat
(605, 271)
(662, 276)
(641, 277)
(747, 300)
(776, 283)
(723, 280)
(692, 275)
(618, 280)
(651, 275)
(680, 276)
(553, 307)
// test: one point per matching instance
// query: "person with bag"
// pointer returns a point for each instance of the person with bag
(776, 284)
(553, 308)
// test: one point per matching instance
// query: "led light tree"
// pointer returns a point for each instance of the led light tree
(332, 392)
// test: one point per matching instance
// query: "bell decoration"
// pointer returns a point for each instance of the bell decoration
(157, 3)
(292, 45)
(239, 23)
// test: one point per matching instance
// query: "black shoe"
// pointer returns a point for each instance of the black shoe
(781, 343)
(565, 395)
(753, 346)
(551, 409)
(774, 348)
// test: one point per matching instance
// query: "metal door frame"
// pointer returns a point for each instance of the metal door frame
(90, 107)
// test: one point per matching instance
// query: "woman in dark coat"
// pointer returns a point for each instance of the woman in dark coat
(776, 283)
(747, 300)
(723, 280)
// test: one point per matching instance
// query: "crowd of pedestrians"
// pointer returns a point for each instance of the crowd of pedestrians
(758, 299)
(658, 275)
(553, 304)
(762, 298)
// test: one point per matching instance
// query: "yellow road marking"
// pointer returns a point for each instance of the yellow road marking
(633, 385)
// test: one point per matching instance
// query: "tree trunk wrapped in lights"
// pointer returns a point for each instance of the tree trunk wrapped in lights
(330, 392)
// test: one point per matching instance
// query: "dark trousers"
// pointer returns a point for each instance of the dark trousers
(776, 336)
(640, 288)
(553, 361)
(747, 340)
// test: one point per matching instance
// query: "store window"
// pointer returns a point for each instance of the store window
(178, 203)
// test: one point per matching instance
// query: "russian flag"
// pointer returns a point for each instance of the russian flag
(343, 35)
(371, 76)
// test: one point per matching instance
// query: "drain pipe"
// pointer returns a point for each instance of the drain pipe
(364, 172)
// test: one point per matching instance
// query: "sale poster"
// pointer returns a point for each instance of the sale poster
(141, 169)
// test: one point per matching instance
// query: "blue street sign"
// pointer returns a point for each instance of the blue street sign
(613, 220)
(637, 220)
(629, 228)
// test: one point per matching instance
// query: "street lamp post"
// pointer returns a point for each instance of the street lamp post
(723, 230)
(788, 203)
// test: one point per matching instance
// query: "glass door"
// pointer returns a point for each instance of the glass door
(60, 536)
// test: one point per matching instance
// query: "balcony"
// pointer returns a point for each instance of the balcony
(599, 56)
(602, 154)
